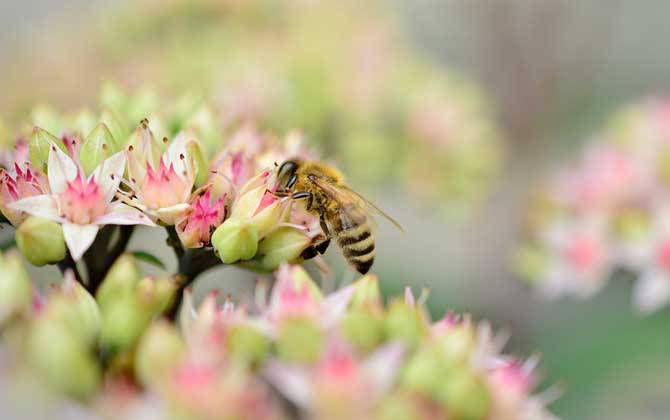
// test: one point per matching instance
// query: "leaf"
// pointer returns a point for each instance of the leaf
(149, 259)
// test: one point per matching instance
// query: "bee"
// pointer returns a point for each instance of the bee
(344, 215)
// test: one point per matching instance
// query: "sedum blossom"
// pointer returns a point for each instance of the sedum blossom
(82, 205)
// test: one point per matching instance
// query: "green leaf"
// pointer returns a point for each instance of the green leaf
(149, 259)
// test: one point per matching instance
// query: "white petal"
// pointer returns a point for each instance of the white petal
(79, 238)
(336, 304)
(651, 291)
(169, 215)
(292, 381)
(108, 174)
(61, 170)
(122, 214)
(44, 206)
(382, 367)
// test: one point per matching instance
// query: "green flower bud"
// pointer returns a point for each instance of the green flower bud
(404, 323)
(84, 122)
(156, 293)
(458, 344)
(235, 240)
(425, 371)
(41, 241)
(367, 293)
(73, 307)
(201, 165)
(247, 344)
(15, 287)
(62, 360)
(39, 147)
(98, 146)
(160, 350)
(204, 123)
(465, 395)
(124, 320)
(47, 117)
(364, 329)
(299, 341)
(285, 244)
(116, 127)
(121, 279)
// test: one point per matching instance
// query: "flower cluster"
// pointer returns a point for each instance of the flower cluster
(608, 213)
(209, 188)
(263, 60)
(289, 351)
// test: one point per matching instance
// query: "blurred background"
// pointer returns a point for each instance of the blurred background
(525, 83)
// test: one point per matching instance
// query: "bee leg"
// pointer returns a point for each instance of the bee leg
(304, 194)
(278, 194)
(323, 246)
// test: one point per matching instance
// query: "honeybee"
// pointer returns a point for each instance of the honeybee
(344, 214)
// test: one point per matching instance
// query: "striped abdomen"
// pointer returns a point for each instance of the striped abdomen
(355, 238)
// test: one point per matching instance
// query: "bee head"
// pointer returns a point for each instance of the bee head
(286, 175)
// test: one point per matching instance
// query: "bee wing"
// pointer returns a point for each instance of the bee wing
(343, 195)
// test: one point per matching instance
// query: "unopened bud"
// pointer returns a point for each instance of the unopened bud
(40, 146)
(367, 294)
(424, 372)
(200, 164)
(62, 360)
(235, 240)
(15, 288)
(404, 322)
(160, 350)
(300, 341)
(285, 244)
(41, 241)
(247, 344)
(98, 146)
(156, 293)
(465, 395)
(363, 328)
(124, 320)
(72, 306)
(121, 279)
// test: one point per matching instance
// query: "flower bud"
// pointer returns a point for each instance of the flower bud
(155, 294)
(300, 341)
(15, 287)
(160, 350)
(121, 279)
(404, 322)
(285, 244)
(116, 127)
(425, 371)
(62, 360)
(465, 395)
(41, 241)
(458, 343)
(235, 240)
(98, 146)
(74, 308)
(362, 328)
(84, 122)
(40, 145)
(367, 294)
(200, 164)
(247, 344)
(124, 319)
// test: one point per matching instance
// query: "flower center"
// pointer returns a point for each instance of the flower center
(82, 202)
(163, 187)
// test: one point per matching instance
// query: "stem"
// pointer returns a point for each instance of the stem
(68, 263)
(192, 263)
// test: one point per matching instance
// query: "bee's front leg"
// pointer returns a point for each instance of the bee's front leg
(304, 194)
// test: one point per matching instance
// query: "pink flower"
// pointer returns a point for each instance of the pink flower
(81, 204)
(22, 182)
(161, 184)
(200, 219)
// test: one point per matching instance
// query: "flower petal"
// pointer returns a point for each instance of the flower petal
(44, 206)
(335, 304)
(61, 170)
(122, 214)
(382, 367)
(169, 215)
(79, 238)
(109, 173)
(292, 381)
(651, 291)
